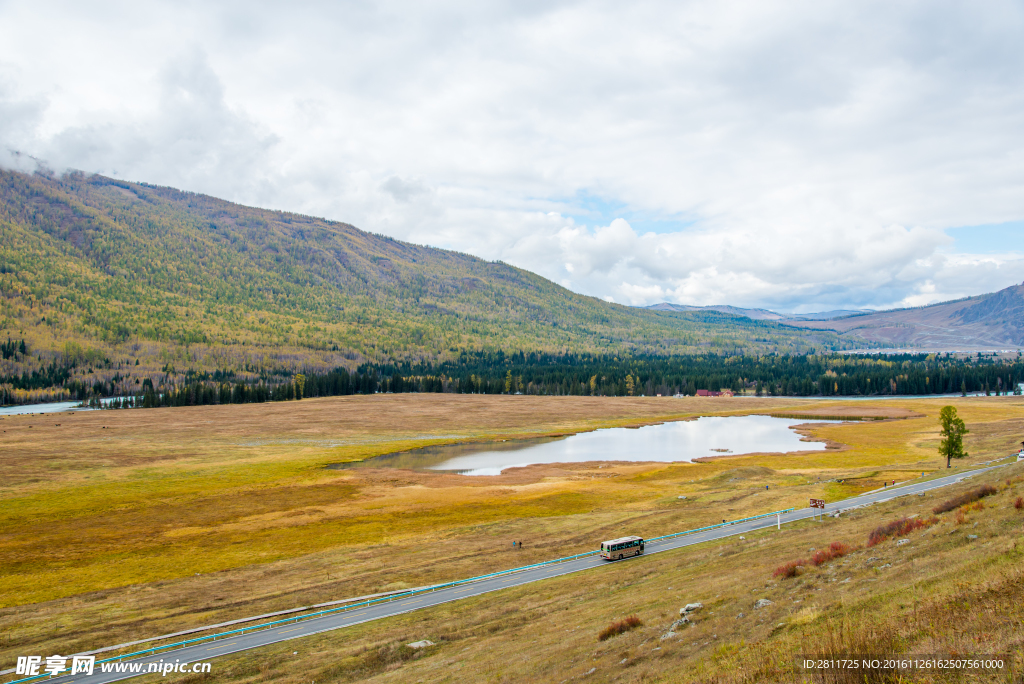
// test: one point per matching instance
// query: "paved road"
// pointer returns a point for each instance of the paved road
(233, 644)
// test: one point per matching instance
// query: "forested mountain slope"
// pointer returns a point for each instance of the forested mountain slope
(108, 272)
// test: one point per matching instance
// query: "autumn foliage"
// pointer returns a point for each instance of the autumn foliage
(620, 627)
(834, 550)
(965, 498)
(898, 528)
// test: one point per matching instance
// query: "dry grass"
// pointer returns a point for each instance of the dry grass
(792, 568)
(964, 499)
(545, 632)
(898, 528)
(117, 498)
(835, 550)
(620, 627)
(104, 530)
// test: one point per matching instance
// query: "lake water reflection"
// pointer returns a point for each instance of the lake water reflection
(28, 409)
(668, 442)
(53, 407)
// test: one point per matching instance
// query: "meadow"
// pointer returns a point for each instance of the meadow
(120, 525)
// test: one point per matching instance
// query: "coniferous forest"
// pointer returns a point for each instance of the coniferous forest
(580, 375)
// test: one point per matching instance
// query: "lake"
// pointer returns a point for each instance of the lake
(680, 441)
(53, 407)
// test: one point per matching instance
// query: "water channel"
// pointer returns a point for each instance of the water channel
(680, 441)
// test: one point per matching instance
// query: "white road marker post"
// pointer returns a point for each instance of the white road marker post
(778, 520)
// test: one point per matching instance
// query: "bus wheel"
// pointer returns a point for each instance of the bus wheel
(620, 556)
(637, 553)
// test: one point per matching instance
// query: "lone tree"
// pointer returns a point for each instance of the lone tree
(953, 431)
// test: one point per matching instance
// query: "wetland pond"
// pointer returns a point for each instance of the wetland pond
(677, 441)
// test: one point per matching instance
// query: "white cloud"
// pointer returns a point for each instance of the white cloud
(811, 153)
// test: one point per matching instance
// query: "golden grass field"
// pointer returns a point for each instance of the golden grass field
(121, 525)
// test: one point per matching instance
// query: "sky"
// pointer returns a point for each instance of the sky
(797, 156)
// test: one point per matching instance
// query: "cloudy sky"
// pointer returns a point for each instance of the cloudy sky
(798, 156)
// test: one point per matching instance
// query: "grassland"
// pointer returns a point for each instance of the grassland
(943, 593)
(107, 518)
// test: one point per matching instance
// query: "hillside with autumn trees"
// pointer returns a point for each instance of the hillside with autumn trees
(109, 283)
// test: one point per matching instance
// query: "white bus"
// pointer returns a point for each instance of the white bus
(617, 549)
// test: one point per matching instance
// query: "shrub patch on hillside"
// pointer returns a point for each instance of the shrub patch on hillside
(834, 550)
(898, 528)
(788, 569)
(965, 498)
(620, 627)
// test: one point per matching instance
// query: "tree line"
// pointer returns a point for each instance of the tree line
(591, 375)
(763, 375)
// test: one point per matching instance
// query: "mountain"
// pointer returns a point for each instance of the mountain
(753, 314)
(758, 314)
(112, 273)
(825, 315)
(985, 322)
(989, 321)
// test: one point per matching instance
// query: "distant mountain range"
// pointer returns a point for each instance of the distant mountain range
(988, 321)
(985, 322)
(761, 314)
